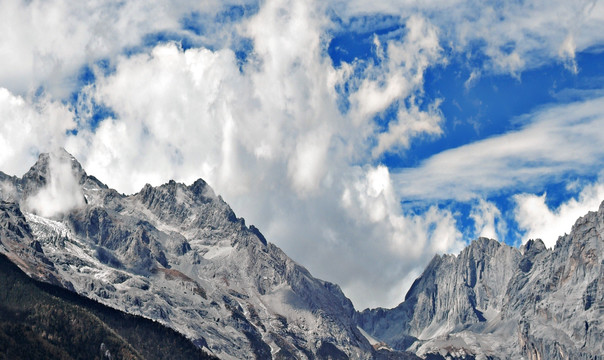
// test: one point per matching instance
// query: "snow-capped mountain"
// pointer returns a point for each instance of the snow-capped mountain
(493, 301)
(176, 254)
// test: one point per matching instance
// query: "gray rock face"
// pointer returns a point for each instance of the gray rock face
(179, 255)
(454, 292)
(559, 301)
(493, 301)
(21, 247)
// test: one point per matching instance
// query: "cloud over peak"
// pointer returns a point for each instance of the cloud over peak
(61, 193)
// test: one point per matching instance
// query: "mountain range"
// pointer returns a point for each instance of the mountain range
(179, 255)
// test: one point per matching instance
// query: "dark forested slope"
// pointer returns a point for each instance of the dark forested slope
(42, 321)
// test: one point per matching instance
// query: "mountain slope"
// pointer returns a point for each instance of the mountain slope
(179, 255)
(42, 321)
(495, 301)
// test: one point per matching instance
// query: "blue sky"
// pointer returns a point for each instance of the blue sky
(480, 108)
(360, 137)
(491, 106)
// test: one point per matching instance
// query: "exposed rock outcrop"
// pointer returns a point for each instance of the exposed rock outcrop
(497, 302)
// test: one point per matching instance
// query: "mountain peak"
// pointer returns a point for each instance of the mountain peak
(484, 244)
(178, 254)
(55, 184)
(51, 164)
(533, 246)
(59, 154)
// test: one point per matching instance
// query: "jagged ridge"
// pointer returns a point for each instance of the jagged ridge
(498, 302)
(178, 254)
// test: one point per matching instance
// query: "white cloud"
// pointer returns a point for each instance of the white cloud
(45, 43)
(398, 77)
(28, 126)
(182, 118)
(513, 35)
(487, 220)
(540, 222)
(8, 191)
(553, 141)
(308, 167)
(472, 79)
(61, 194)
(411, 123)
(377, 243)
(270, 139)
(567, 53)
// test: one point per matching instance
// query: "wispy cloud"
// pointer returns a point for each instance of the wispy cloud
(549, 144)
(488, 221)
(513, 35)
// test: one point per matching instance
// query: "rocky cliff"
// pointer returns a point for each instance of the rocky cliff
(493, 301)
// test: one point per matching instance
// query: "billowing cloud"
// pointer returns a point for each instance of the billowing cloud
(270, 138)
(538, 221)
(173, 104)
(28, 126)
